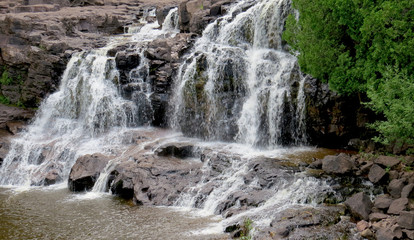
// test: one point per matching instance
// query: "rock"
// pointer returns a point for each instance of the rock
(406, 220)
(376, 173)
(408, 233)
(37, 41)
(340, 164)
(374, 217)
(330, 121)
(362, 225)
(398, 206)
(317, 164)
(389, 233)
(179, 150)
(383, 202)
(395, 187)
(51, 178)
(407, 191)
(86, 171)
(387, 161)
(367, 233)
(360, 205)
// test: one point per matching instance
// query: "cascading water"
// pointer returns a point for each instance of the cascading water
(87, 114)
(239, 84)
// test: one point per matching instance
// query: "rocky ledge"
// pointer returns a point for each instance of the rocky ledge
(383, 209)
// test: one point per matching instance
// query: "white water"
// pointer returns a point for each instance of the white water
(244, 91)
(86, 115)
(237, 84)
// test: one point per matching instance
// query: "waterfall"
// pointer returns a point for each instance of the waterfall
(89, 113)
(239, 84)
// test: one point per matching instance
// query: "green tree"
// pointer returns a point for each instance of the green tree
(351, 44)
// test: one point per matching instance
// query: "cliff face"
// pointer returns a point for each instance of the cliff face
(37, 38)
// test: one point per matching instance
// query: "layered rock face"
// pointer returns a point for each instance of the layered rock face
(39, 36)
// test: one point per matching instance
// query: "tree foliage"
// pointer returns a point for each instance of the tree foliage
(361, 46)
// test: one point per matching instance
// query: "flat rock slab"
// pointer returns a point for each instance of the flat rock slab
(387, 161)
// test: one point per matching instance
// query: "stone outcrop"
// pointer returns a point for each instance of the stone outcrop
(195, 15)
(86, 171)
(333, 120)
(39, 36)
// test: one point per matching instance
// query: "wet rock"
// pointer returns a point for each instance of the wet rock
(317, 164)
(179, 150)
(395, 187)
(86, 171)
(51, 178)
(406, 220)
(398, 206)
(376, 173)
(332, 119)
(340, 164)
(383, 202)
(360, 205)
(387, 161)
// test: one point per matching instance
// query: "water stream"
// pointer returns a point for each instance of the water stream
(237, 88)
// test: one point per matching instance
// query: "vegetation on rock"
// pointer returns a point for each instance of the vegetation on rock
(361, 47)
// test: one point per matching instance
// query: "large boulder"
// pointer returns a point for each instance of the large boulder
(360, 205)
(340, 164)
(86, 171)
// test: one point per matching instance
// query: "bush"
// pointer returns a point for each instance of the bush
(351, 45)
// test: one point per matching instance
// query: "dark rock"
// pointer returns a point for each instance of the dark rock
(395, 187)
(376, 173)
(86, 171)
(360, 205)
(51, 178)
(383, 202)
(398, 205)
(387, 161)
(332, 119)
(408, 233)
(406, 219)
(340, 164)
(407, 191)
(179, 150)
(127, 60)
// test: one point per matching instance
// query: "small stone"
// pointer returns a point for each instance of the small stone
(367, 233)
(407, 191)
(406, 220)
(396, 230)
(395, 187)
(362, 225)
(387, 161)
(408, 233)
(374, 217)
(360, 205)
(376, 173)
(382, 202)
(398, 206)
